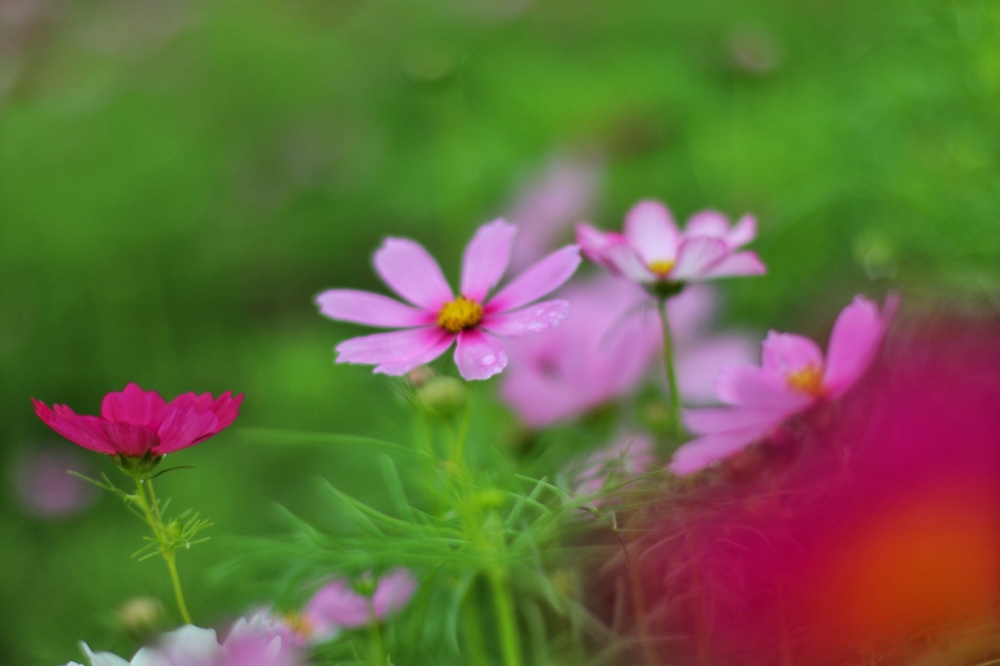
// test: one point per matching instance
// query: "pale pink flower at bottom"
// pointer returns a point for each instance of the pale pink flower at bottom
(794, 376)
(338, 605)
(471, 319)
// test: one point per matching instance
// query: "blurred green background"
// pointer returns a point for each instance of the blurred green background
(178, 179)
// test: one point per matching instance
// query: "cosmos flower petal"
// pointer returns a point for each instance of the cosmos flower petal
(696, 256)
(183, 427)
(705, 451)
(854, 342)
(478, 355)
(362, 307)
(486, 258)
(710, 223)
(531, 319)
(651, 231)
(626, 262)
(433, 350)
(716, 420)
(133, 405)
(388, 347)
(595, 243)
(750, 386)
(394, 590)
(786, 353)
(102, 658)
(409, 270)
(744, 231)
(131, 440)
(699, 365)
(741, 263)
(85, 431)
(545, 276)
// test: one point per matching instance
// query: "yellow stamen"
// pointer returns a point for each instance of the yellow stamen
(661, 267)
(807, 380)
(299, 624)
(460, 314)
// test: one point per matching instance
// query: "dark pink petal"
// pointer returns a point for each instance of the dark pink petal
(131, 440)
(227, 408)
(854, 342)
(133, 405)
(532, 319)
(362, 307)
(478, 355)
(786, 353)
(749, 386)
(412, 273)
(182, 427)
(388, 347)
(705, 451)
(85, 431)
(651, 231)
(695, 256)
(337, 605)
(433, 350)
(545, 276)
(486, 258)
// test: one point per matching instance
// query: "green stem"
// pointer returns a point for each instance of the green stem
(458, 453)
(504, 605)
(151, 509)
(668, 361)
(376, 633)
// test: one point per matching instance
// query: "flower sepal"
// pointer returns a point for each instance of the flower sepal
(662, 290)
(138, 467)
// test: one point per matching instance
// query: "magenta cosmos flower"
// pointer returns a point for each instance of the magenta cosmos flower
(441, 317)
(652, 250)
(137, 423)
(794, 375)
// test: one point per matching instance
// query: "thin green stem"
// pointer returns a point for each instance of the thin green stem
(151, 509)
(674, 399)
(504, 605)
(458, 453)
(378, 651)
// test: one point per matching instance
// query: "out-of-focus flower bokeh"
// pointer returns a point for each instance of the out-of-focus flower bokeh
(179, 179)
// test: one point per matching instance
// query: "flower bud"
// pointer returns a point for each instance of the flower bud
(442, 396)
(141, 617)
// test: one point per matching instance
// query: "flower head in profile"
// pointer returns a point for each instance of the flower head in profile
(653, 251)
(472, 318)
(794, 375)
(339, 604)
(137, 424)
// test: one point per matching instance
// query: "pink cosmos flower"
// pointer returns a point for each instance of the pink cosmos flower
(605, 348)
(338, 606)
(793, 377)
(652, 250)
(45, 487)
(136, 423)
(441, 317)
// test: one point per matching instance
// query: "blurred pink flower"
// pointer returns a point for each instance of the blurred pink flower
(337, 605)
(793, 376)
(605, 348)
(440, 317)
(550, 204)
(45, 487)
(653, 250)
(135, 423)
(628, 457)
(258, 641)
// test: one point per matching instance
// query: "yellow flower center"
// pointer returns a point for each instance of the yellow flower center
(807, 380)
(299, 624)
(460, 314)
(661, 267)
